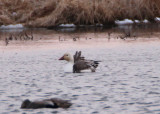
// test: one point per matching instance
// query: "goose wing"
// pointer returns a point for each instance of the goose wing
(78, 56)
(80, 63)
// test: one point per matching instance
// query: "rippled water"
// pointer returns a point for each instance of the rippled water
(127, 80)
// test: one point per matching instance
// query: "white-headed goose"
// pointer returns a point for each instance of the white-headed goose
(79, 63)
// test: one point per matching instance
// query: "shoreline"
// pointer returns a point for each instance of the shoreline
(69, 44)
(125, 22)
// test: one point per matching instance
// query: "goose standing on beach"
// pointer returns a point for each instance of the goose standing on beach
(77, 63)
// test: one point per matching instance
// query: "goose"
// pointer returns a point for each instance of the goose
(46, 103)
(79, 63)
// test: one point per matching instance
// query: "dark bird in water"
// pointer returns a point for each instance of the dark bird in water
(46, 103)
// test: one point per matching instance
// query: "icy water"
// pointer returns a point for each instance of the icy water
(127, 80)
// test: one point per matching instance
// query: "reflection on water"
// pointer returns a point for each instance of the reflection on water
(138, 30)
(123, 32)
(127, 80)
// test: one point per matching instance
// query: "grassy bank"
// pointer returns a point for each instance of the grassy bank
(47, 13)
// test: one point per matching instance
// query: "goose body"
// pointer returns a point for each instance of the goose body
(79, 63)
(68, 67)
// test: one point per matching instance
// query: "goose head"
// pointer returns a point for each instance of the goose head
(25, 103)
(66, 57)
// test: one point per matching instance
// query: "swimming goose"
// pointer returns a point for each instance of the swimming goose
(46, 103)
(80, 63)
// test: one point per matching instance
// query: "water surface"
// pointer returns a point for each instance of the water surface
(126, 81)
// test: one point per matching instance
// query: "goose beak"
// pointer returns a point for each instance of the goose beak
(62, 58)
